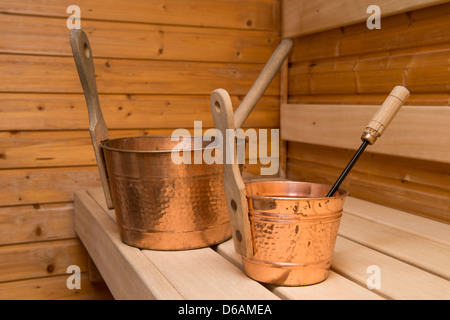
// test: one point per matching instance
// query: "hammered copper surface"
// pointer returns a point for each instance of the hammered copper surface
(162, 205)
(294, 228)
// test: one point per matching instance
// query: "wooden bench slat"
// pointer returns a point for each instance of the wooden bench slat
(336, 287)
(204, 274)
(421, 226)
(100, 236)
(399, 280)
(411, 248)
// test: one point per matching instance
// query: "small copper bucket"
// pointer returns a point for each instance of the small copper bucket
(162, 205)
(293, 228)
(285, 231)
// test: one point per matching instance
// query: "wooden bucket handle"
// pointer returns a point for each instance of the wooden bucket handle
(98, 130)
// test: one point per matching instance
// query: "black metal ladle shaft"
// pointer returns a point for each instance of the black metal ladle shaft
(347, 169)
(375, 128)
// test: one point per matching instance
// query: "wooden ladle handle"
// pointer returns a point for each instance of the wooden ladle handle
(262, 82)
(385, 114)
(98, 130)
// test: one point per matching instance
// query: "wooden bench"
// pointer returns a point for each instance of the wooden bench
(411, 254)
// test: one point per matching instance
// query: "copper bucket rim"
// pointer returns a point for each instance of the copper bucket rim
(104, 146)
(341, 192)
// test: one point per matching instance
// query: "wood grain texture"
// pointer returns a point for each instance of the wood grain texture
(421, 73)
(38, 222)
(336, 286)
(45, 185)
(28, 111)
(24, 74)
(405, 170)
(421, 199)
(40, 259)
(319, 15)
(53, 288)
(137, 40)
(399, 280)
(247, 14)
(426, 129)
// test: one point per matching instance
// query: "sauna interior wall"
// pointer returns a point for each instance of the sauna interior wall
(355, 65)
(156, 64)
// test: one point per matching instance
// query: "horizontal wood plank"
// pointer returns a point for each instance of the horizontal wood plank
(418, 251)
(405, 170)
(33, 149)
(46, 185)
(28, 111)
(39, 222)
(397, 219)
(24, 73)
(336, 287)
(425, 72)
(399, 280)
(204, 274)
(341, 126)
(53, 288)
(247, 14)
(420, 199)
(319, 15)
(40, 259)
(418, 99)
(35, 186)
(137, 41)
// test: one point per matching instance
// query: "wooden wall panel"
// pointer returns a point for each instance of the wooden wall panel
(25, 74)
(246, 14)
(342, 125)
(351, 64)
(156, 65)
(25, 34)
(49, 288)
(306, 17)
(37, 222)
(30, 111)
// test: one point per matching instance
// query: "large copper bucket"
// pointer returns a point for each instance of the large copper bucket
(158, 204)
(162, 205)
(293, 229)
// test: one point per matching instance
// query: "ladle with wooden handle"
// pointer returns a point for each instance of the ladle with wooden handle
(224, 118)
(98, 130)
(375, 128)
